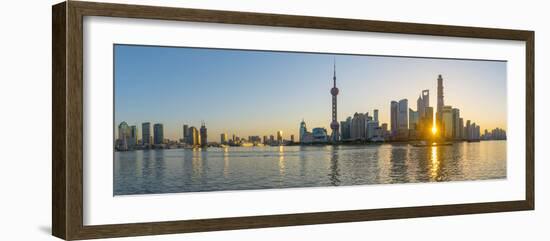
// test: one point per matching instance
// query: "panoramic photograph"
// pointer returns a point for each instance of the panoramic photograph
(202, 119)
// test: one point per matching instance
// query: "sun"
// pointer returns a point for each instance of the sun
(434, 130)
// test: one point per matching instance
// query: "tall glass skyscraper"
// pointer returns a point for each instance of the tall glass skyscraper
(158, 131)
(146, 133)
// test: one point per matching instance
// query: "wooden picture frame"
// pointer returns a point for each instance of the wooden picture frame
(67, 123)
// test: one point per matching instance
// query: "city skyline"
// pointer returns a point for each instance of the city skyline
(260, 93)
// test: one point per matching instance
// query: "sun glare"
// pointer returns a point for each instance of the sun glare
(434, 130)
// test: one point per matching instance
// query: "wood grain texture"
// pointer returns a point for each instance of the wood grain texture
(67, 154)
(58, 121)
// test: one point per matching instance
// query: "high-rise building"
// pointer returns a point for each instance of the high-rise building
(194, 138)
(254, 139)
(372, 127)
(423, 102)
(359, 126)
(403, 119)
(456, 123)
(413, 122)
(471, 131)
(223, 138)
(146, 134)
(345, 129)
(265, 140)
(132, 137)
(123, 136)
(185, 133)
(447, 121)
(204, 135)
(271, 139)
(158, 133)
(375, 113)
(384, 130)
(467, 131)
(334, 125)
(440, 102)
(292, 138)
(303, 130)
(495, 134)
(393, 117)
(280, 137)
(123, 131)
(461, 128)
(428, 122)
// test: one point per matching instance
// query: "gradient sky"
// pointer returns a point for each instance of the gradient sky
(246, 92)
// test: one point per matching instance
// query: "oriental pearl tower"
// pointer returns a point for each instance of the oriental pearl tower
(335, 137)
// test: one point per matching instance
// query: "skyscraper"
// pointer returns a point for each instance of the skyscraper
(334, 125)
(185, 133)
(359, 126)
(447, 121)
(428, 121)
(194, 138)
(440, 102)
(292, 138)
(123, 131)
(423, 102)
(158, 132)
(375, 115)
(303, 130)
(223, 138)
(280, 137)
(372, 127)
(146, 134)
(456, 123)
(345, 129)
(461, 128)
(123, 136)
(467, 130)
(402, 119)
(204, 135)
(132, 137)
(413, 122)
(393, 117)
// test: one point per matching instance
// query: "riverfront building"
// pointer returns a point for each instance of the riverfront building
(403, 119)
(158, 132)
(194, 138)
(146, 134)
(203, 135)
(223, 138)
(394, 106)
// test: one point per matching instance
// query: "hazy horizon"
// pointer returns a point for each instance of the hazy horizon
(249, 93)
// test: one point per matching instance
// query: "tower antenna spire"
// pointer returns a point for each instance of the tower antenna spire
(334, 69)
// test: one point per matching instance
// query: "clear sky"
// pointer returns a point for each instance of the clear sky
(247, 92)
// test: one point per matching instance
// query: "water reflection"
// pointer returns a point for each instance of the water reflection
(398, 164)
(235, 168)
(334, 175)
(435, 171)
(282, 161)
(225, 162)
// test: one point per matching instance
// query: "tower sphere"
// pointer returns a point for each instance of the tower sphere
(334, 91)
(334, 125)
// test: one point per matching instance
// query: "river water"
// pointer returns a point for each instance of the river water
(246, 168)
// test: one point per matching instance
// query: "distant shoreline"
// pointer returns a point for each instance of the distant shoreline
(354, 143)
